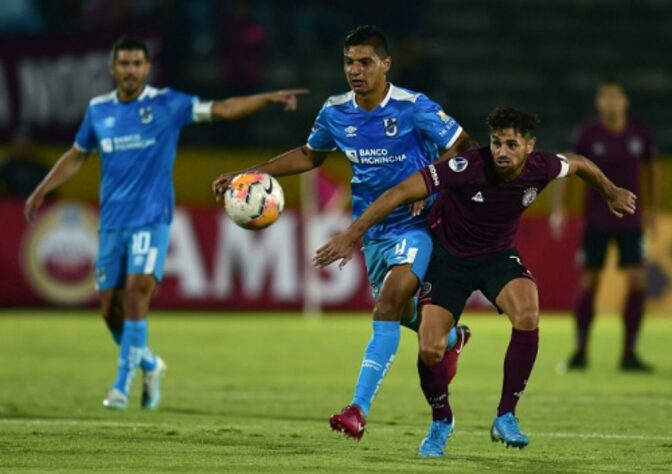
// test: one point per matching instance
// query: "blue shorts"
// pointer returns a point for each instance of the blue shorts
(122, 252)
(413, 247)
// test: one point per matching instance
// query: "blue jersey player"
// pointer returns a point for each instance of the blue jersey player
(135, 130)
(387, 133)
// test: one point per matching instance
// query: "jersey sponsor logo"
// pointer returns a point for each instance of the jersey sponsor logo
(434, 175)
(126, 142)
(373, 156)
(109, 122)
(458, 164)
(146, 115)
(635, 147)
(529, 196)
(350, 131)
(390, 126)
(478, 197)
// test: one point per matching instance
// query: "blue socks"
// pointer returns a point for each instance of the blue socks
(148, 360)
(132, 347)
(377, 360)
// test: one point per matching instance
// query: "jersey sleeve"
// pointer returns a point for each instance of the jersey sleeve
(186, 109)
(85, 140)
(321, 138)
(441, 174)
(438, 126)
(557, 166)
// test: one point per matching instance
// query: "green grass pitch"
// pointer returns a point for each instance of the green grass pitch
(252, 393)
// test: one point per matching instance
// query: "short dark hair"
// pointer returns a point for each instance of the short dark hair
(368, 35)
(506, 117)
(129, 42)
(610, 82)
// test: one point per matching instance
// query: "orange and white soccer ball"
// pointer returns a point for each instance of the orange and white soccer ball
(254, 200)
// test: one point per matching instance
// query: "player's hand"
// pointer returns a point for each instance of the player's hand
(33, 203)
(557, 223)
(340, 246)
(417, 207)
(622, 202)
(220, 184)
(289, 97)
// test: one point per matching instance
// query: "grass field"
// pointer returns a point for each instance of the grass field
(252, 394)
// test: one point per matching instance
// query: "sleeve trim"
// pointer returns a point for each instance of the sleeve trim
(564, 166)
(321, 149)
(456, 135)
(81, 148)
(202, 111)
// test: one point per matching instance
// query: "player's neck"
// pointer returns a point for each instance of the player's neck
(615, 124)
(128, 96)
(373, 99)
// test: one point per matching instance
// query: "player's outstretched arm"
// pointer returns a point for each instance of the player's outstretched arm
(238, 107)
(66, 166)
(620, 200)
(340, 245)
(296, 161)
(557, 221)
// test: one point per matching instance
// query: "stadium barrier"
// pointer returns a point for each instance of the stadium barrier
(214, 264)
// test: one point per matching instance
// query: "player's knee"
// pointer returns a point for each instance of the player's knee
(526, 318)
(388, 309)
(135, 300)
(431, 351)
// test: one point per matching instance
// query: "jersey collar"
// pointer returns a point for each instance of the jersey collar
(382, 104)
(145, 92)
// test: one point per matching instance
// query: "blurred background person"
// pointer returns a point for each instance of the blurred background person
(623, 149)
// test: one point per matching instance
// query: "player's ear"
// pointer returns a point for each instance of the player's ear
(530, 144)
(387, 63)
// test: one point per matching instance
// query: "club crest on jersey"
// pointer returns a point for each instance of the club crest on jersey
(109, 122)
(146, 115)
(529, 196)
(350, 131)
(390, 126)
(458, 164)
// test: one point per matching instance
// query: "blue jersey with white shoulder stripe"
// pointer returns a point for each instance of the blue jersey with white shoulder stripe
(405, 133)
(137, 145)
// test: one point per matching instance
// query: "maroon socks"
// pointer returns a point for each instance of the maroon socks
(434, 383)
(518, 363)
(634, 309)
(584, 312)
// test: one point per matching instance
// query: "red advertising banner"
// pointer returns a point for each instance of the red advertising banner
(213, 264)
(47, 82)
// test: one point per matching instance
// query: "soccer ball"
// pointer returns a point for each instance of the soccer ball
(254, 200)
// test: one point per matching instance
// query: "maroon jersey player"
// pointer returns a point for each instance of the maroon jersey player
(483, 193)
(623, 149)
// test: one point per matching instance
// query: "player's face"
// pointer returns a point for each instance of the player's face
(364, 69)
(509, 151)
(130, 68)
(611, 101)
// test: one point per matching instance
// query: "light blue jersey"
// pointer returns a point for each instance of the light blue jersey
(384, 146)
(137, 144)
